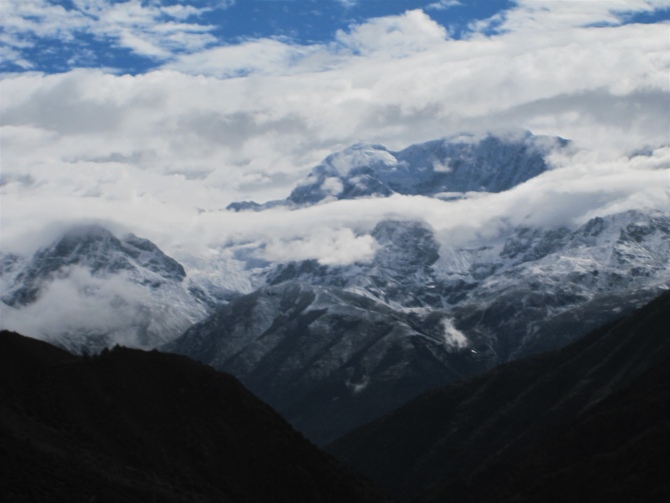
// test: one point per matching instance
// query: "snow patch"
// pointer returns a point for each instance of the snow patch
(332, 186)
(359, 156)
(360, 386)
(453, 338)
(442, 166)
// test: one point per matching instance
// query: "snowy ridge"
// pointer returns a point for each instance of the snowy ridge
(439, 168)
(524, 280)
(91, 289)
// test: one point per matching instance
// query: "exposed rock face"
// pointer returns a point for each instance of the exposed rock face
(529, 289)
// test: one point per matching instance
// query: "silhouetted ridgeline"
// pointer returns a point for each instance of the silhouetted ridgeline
(134, 426)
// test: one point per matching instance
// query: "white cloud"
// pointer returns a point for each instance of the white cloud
(249, 121)
(142, 28)
(552, 15)
(148, 29)
(380, 38)
(115, 310)
(393, 36)
(333, 186)
(443, 5)
(328, 246)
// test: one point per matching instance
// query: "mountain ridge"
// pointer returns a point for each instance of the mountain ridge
(142, 296)
(406, 321)
(438, 168)
(470, 434)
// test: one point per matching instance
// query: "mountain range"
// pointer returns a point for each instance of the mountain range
(331, 346)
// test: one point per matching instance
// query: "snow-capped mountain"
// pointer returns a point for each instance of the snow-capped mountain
(541, 271)
(439, 168)
(98, 250)
(539, 289)
(401, 273)
(92, 289)
(333, 346)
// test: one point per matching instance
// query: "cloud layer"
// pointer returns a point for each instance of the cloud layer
(163, 152)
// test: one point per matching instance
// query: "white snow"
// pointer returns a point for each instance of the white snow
(453, 338)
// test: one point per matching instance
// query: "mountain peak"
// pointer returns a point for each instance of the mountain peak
(460, 163)
(97, 249)
(94, 288)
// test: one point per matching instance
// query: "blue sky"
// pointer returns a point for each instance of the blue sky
(81, 39)
(136, 36)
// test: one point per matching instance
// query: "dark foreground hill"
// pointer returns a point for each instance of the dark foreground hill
(134, 426)
(589, 422)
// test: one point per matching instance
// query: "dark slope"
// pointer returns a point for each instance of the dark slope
(133, 426)
(615, 452)
(459, 442)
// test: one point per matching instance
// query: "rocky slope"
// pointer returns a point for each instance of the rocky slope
(523, 291)
(332, 347)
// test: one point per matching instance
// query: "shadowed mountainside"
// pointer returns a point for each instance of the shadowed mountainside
(328, 359)
(137, 426)
(588, 422)
(332, 347)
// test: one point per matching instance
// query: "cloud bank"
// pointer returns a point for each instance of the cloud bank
(162, 153)
(80, 310)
